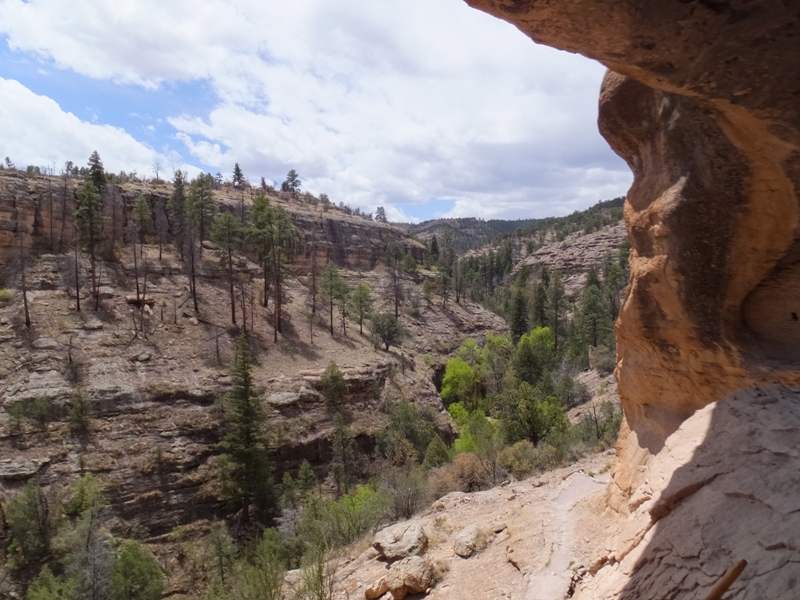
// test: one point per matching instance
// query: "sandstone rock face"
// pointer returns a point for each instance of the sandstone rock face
(401, 540)
(703, 105)
(724, 488)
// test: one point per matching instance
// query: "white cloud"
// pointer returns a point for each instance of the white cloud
(44, 135)
(376, 103)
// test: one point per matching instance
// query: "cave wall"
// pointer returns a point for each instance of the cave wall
(703, 102)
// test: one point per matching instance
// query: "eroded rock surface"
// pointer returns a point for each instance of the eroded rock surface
(724, 488)
(703, 105)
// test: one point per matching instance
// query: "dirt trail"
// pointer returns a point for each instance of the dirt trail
(552, 583)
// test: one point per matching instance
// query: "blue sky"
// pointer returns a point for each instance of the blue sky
(426, 107)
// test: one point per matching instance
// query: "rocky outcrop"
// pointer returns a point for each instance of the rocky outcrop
(703, 105)
(400, 541)
(724, 488)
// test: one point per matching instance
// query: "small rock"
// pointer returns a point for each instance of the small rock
(143, 357)
(106, 291)
(194, 321)
(377, 589)
(466, 541)
(93, 326)
(46, 344)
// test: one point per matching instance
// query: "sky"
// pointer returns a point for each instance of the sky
(426, 107)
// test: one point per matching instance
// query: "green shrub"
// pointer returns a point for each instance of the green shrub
(135, 575)
(79, 412)
(520, 459)
(333, 383)
(436, 455)
(40, 410)
(335, 523)
(6, 296)
(466, 473)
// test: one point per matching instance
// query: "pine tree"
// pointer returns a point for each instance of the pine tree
(330, 283)
(292, 182)
(434, 251)
(518, 314)
(89, 219)
(247, 471)
(306, 479)
(227, 235)
(270, 231)
(556, 302)
(380, 215)
(97, 173)
(176, 207)
(361, 305)
(343, 448)
(200, 206)
(238, 182)
(136, 575)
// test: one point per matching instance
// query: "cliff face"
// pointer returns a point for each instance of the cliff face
(42, 209)
(703, 105)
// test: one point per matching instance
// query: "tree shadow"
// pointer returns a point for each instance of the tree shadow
(735, 495)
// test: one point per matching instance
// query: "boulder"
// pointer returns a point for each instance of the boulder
(377, 589)
(466, 541)
(401, 540)
(412, 575)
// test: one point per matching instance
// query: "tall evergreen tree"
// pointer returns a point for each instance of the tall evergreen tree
(518, 313)
(330, 284)
(227, 235)
(247, 471)
(556, 302)
(97, 173)
(380, 215)
(176, 207)
(271, 230)
(292, 182)
(89, 218)
(361, 305)
(200, 206)
(238, 182)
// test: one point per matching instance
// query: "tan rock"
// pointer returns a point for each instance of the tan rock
(377, 589)
(401, 540)
(466, 541)
(713, 212)
(412, 575)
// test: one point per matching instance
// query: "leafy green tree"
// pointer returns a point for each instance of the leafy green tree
(246, 469)
(200, 206)
(495, 359)
(343, 300)
(227, 236)
(89, 219)
(460, 383)
(135, 575)
(361, 305)
(386, 329)
(535, 354)
(330, 285)
(333, 383)
(518, 313)
(409, 264)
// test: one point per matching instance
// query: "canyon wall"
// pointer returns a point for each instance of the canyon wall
(703, 102)
(42, 209)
